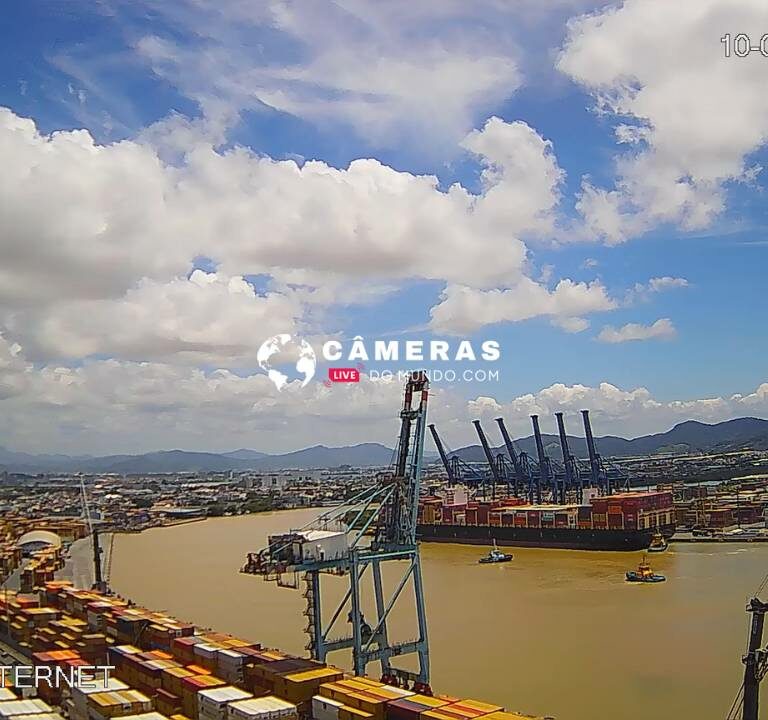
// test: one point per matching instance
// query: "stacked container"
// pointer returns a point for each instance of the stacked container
(212, 704)
(410, 708)
(13, 708)
(191, 686)
(79, 696)
(117, 703)
(265, 708)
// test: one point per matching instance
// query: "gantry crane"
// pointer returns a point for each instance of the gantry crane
(493, 466)
(604, 476)
(746, 705)
(457, 470)
(573, 479)
(355, 539)
(99, 583)
(521, 464)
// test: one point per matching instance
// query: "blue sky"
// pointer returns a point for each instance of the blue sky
(667, 227)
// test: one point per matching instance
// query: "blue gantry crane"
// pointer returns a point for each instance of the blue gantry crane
(603, 475)
(353, 541)
(495, 464)
(523, 466)
(457, 470)
(543, 478)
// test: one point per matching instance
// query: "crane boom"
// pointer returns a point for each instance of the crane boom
(513, 456)
(594, 458)
(443, 457)
(545, 473)
(488, 456)
(572, 476)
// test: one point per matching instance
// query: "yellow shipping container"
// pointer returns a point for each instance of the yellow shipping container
(350, 713)
(481, 707)
(300, 687)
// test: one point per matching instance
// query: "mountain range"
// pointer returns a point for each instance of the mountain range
(690, 436)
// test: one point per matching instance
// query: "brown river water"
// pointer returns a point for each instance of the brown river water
(554, 632)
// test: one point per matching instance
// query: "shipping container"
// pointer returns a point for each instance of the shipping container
(12, 708)
(324, 708)
(266, 708)
(212, 704)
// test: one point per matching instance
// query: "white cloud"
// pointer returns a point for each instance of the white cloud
(81, 220)
(103, 269)
(571, 324)
(105, 406)
(662, 329)
(208, 318)
(695, 115)
(358, 63)
(464, 309)
(645, 291)
(663, 283)
(614, 411)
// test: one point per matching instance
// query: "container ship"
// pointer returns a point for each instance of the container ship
(623, 521)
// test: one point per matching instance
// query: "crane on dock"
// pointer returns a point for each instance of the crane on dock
(100, 584)
(457, 470)
(572, 475)
(493, 464)
(604, 476)
(746, 705)
(547, 476)
(353, 541)
(521, 464)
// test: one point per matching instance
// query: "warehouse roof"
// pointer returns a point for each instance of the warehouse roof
(44, 537)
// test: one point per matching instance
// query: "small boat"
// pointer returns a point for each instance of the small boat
(644, 574)
(658, 543)
(495, 556)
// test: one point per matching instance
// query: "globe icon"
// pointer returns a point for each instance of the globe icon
(305, 364)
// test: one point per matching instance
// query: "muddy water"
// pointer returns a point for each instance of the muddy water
(554, 632)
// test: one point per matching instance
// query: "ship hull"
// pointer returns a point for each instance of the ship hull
(566, 538)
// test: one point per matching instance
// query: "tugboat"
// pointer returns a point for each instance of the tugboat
(658, 543)
(495, 556)
(644, 574)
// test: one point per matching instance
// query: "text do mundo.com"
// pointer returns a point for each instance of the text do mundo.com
(439, 375)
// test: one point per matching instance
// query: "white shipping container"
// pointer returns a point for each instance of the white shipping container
(213, 703)
(10, 708)
(7, 694)
(42, 716)
(325, 708)
(266, 708)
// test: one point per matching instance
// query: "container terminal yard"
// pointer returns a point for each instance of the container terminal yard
(167, 668)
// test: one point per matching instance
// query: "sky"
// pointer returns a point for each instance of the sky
(580, 182)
